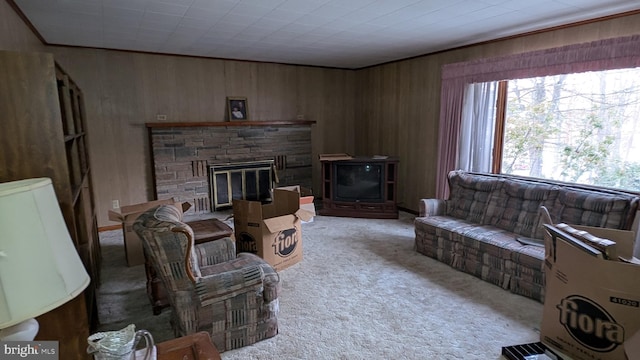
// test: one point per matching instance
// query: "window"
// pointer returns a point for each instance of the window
(598, 55)
(580, 128)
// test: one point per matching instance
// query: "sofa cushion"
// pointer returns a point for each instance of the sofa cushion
(488, 252)
(591, 208)
(516, 207)
(488, 239)
(470, 195)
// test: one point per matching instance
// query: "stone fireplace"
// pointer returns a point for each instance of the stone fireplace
(184, 154)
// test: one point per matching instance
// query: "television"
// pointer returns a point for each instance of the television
(358, 181)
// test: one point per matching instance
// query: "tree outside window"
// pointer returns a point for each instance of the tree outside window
(580, 128)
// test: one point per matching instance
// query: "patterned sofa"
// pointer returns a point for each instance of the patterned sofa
(490, 226)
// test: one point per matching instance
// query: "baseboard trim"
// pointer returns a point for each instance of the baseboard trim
(410, 211)
(118, 227)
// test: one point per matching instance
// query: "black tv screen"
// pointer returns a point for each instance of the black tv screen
(358, 182)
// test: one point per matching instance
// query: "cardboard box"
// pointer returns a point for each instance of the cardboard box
(592, 305)
(306, 199)
(127, 216)
(272, 231)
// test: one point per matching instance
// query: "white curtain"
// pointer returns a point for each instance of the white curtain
(477, 128)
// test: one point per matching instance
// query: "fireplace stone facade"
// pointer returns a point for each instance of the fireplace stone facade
(182, 153)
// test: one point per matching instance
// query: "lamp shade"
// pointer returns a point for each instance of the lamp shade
(39, 266)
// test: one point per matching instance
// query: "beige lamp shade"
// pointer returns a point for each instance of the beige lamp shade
(39, 266)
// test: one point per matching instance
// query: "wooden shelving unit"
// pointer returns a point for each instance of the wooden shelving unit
(384, 208)
(44, 135)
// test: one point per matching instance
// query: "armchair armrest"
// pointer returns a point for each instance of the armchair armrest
(221, 285)
(432, 207)
(215, 252)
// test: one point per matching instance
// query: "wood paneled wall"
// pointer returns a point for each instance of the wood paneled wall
(125, 90)
(399, 103)
(14, 33)
(390, 109)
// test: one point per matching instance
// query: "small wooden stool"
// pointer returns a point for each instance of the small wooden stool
(203, 231)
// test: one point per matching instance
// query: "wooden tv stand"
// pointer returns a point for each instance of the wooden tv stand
(385, 208)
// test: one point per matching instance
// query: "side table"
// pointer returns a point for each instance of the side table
(209, 230)
(197, 346)
(204, 231)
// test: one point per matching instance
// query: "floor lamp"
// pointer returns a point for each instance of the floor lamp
(40, 269)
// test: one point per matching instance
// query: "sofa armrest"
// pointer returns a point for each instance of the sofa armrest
(432, 207)
(215, 252)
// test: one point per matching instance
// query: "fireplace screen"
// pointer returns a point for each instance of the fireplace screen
(245, 180)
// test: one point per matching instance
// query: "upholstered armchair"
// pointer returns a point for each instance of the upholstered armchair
(233, 298)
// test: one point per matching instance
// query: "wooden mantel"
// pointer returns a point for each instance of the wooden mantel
(231, 123)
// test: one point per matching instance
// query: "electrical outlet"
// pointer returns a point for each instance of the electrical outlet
(115, 204)
(161, 117)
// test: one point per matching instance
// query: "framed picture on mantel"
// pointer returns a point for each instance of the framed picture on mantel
(237, 108)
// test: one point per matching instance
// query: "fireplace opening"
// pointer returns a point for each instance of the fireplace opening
(251, 180)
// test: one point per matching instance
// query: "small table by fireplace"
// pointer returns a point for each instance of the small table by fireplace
(252, 180)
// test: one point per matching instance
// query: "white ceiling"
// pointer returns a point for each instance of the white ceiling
(333, 33)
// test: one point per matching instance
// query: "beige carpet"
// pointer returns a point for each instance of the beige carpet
(361, 292)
